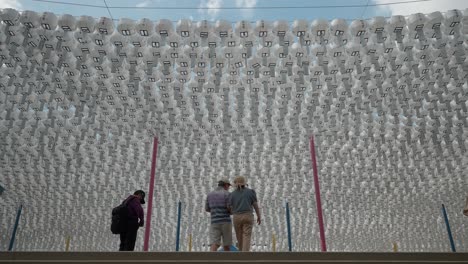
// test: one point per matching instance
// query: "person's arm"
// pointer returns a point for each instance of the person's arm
(207, 206)
(257, 211)
(255, 206)
(141, 215)
(228, 203)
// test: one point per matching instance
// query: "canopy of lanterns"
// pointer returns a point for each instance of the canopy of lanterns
(81, 100)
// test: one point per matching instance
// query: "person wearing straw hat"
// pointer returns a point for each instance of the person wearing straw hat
(217, 204)
(243, 200)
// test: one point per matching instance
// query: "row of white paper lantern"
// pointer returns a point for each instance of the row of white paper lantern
(83, 50)
(233, 153)
(77, 166)
(100, 56)
(189, 58)
(386, 124)
(449, 90)
(420, 64)
(415, 24)
(428, 121)
(454, 138)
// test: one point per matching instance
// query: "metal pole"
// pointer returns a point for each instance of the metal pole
(67, 243)
(452, 244)
(190, 243)
(317, 195)
(150, 195)
(15, 228)
(273, 246)
(288, 223)
(178, 227)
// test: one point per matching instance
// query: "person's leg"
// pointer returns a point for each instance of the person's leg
(247, 231)
(122, 241)
(131, 238)
(238, 230)
(215, 236)
(214, 247)
(227, 236)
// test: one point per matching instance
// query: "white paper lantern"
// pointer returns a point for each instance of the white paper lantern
(105, 26)
(10, 17)
(29, 19)
(164, 27)
(85, 24)
(48, 21)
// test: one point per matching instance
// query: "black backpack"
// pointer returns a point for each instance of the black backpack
(120, 217)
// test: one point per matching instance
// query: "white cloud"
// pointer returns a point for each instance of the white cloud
(422, 7)
(246, 3)
(144, 3)
(11, 4)
(212, 6)
(246, 13)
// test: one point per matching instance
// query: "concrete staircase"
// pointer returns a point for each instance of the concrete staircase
(230, 257)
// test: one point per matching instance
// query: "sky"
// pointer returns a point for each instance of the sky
(288, 10)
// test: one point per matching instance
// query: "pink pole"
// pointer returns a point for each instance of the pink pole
(317, 195)
(150, 195)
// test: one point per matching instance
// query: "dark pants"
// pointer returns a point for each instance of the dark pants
(128, 238)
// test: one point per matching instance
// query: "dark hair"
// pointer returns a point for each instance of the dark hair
(221, 183)
(142, 193)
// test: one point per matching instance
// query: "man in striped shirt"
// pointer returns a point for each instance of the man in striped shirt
(217, 204)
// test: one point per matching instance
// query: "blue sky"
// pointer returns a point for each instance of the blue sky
(137, 9)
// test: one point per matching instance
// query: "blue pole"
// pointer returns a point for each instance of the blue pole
(288, 222)
(178, 226)
(15, 228)
(452, 244)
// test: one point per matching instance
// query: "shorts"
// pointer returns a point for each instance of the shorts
(221, 230)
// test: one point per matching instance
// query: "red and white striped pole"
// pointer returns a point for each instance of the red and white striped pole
(150, 195)
(317, 195)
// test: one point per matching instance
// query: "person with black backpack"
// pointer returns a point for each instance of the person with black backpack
(127, 218)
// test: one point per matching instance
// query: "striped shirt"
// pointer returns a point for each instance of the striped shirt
(217, 203)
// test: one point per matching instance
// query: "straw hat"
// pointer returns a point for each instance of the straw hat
(240, 181)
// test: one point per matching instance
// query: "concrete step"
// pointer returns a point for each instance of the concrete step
(230, 257)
